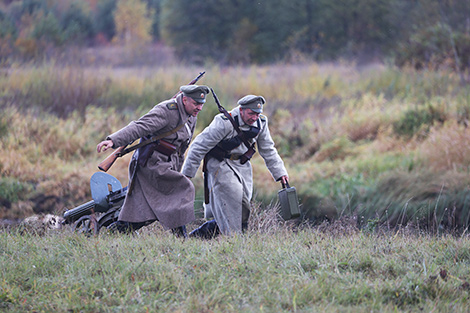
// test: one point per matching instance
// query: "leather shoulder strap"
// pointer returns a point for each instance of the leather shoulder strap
(153, 139)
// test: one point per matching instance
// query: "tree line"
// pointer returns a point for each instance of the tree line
(421, 33)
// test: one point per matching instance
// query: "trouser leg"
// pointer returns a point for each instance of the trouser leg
(245, 213)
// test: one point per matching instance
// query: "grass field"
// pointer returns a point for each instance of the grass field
(329, 268)
(378, 156)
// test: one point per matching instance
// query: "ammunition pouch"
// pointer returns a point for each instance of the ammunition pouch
(165, 147)
(221, 150)
(161, 146)
(230, 144)
(218, 153)
(221, 154)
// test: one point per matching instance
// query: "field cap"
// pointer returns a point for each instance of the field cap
(255, 103)
(196, 92)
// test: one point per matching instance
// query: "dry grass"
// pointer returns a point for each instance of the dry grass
(447, 148)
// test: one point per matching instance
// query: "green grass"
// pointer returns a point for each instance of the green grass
(333, 268)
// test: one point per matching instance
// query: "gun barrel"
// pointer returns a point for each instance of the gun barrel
(81, 210)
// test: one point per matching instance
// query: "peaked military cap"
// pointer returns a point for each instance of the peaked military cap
(255, 103)
(198, 93)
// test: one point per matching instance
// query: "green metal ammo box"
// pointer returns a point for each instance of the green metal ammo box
(289, 202)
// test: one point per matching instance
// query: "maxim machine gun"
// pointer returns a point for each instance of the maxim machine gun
(108, 196)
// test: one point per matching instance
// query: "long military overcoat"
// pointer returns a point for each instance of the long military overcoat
(230, 182)
(160, 192)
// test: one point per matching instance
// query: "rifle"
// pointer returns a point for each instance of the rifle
(251, 147)
(206, 180)
(121, 151)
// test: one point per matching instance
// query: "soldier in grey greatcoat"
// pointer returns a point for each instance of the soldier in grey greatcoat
(157, 189)
(230, 182)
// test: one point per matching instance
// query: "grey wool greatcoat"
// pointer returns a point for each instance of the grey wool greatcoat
(230, 182)
(160, 192)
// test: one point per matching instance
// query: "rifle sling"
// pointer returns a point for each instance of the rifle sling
(251, 150)
(235, 126)
(152, 139)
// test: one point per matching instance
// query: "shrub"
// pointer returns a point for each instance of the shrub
(363, 122)
(293, 136)
(28, 47)
(337, 149)
(414, 120)
(432, 201)
(4, 124)
(431, 48)
(47, 29)
(12, 190)
(7, 26)
(77, 25)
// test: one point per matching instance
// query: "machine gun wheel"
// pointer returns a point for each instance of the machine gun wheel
(108, 218)
(87, 225)
(90, 225)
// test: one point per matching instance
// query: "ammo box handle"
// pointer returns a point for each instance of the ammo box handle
(284, 185)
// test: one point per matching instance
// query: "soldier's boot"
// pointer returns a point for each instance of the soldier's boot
(244, 226)
(180, 231)
(208, 230)
(125, 227)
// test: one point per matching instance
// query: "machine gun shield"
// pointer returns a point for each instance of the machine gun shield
(108, 197)
(101, 185)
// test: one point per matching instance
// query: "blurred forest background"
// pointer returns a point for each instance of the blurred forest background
(423, 33)
(368, 100)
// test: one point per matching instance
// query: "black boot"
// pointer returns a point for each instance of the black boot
(180, 231)
(244, 226)
(208, 230)
(125, 227)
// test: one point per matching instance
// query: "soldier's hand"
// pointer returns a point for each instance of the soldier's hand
(104, 145)
(285, 179)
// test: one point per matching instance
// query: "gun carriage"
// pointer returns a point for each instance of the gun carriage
(108, 196)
